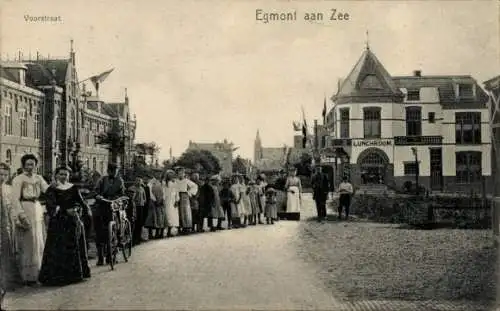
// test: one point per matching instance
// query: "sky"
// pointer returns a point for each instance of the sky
(208, 70)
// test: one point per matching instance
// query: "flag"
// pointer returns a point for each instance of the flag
(304, 129)
(324, 111)
(296, 126)
(97, 79)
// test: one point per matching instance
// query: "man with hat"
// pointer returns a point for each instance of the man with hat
(109, 187)
(186, 189)
(321, 188)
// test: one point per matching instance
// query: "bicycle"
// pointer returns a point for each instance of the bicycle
(119, 230)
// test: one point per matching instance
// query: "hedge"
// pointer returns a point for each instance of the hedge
(456, 212)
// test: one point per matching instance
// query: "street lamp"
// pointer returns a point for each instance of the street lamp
(415, 154)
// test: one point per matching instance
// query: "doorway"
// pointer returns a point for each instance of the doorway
(373, 164)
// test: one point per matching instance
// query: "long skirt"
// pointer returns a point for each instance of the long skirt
(157, 218)
(234, 211)
(65, 257)
(247, 205)
(217, 211)
(293, 200)
(31, 242)
(9, 273)
(172, 215)
(185, 215)
(271, 211)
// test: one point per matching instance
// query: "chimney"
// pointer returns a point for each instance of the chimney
(417, 73)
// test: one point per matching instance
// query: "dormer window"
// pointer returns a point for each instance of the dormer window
(465, 90)
(413, 95)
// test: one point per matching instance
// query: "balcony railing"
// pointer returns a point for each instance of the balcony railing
(417, 140)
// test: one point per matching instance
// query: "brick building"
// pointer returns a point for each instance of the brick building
(58, 122)
(223, 151)
(389, 128)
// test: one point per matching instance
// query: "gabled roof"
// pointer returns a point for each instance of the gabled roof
(368, 78)
(41, 72)
(446, 89)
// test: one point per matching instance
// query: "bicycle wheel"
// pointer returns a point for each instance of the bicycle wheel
(127, 240)
(112, 243)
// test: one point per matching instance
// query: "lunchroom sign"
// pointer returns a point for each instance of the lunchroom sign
(372, 142)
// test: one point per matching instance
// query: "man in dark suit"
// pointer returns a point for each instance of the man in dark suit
(321, 188)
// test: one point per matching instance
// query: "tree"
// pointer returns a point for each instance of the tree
(239, 165)
(114, 140)
(304, 165)
(202, 161)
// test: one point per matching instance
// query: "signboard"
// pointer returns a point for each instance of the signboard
(372, 143)
(326, 159)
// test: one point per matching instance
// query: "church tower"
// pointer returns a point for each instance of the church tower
(257, 148)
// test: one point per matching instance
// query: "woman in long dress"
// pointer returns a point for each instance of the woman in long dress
(234, 201)
(65, 259)
(170, 199)
(10, 218)
(156, 218)
(186, 189)
(26, 190)
(293, 188)
(245, 201)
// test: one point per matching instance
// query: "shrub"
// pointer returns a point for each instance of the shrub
(458, 212)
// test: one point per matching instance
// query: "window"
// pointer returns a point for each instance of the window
(344, 123)
(94, 164)
(465, 91)
(101, 167)
(468, 165)
(7, 119)
(410, 168)
(36, 124)
(24, 122)
(371, 122)
(413, 95)
(413, 121)
(432, 117)
(468, 127)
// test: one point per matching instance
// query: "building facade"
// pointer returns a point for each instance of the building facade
(223, 151)
(57, 120)
(392, 129)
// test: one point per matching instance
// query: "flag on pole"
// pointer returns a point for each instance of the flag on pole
(97, 79)
(304, 129)
(296, 126)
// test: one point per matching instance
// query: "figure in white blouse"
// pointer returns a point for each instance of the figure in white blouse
(26, 191)
(186, 189)
(293, 187)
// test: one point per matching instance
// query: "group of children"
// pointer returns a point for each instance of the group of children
(246, 200)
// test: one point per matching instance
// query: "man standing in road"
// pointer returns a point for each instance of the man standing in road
(345, 191)
(321, 187)
(109, 187)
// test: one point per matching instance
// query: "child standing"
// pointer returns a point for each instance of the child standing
(254, 202)
(271, 212)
